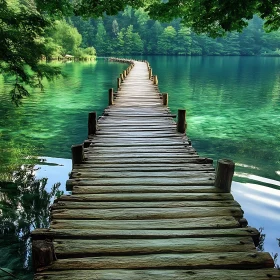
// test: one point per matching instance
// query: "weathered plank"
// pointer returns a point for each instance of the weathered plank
(90, 189)
(125, 174)
(154, 156)
(85, 248)
(186, 261)
(126, 194)
(219, 222)
(132, 233)
(144, 167)
(146, 213)
(161, 274)
(141, 204)
(198, 180)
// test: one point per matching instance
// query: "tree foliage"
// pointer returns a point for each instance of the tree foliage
(134, 32)
(218, 16)
(22, 30)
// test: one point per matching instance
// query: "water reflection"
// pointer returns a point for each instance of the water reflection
(24, 205)
(261, 208)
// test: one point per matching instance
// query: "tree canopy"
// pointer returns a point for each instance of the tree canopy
(25, 25)
(213, 17)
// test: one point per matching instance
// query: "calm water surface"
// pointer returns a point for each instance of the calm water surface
(232, 112)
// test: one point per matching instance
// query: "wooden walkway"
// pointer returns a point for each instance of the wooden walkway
(144, 205)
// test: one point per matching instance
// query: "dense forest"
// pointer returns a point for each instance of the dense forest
(132, 32)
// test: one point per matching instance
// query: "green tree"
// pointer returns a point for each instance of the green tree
(166, 40)
(231, 44)
(67, 37)
(183, 42)
(153, 37)
(101, 38)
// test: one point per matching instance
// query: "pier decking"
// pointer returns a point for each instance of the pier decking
(144, 204)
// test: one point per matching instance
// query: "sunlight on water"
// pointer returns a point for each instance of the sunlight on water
(262, 210)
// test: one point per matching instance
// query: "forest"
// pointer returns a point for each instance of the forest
(132, 32)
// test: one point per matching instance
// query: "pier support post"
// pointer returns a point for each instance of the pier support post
(165, 99)
(224, 174)
(77, 154)
(121, 77)
(150, 73)
(155, 80)
(111, 96)
(92, 123)
(124, 73)
(181, 121)
(42, 253)
(118, 83)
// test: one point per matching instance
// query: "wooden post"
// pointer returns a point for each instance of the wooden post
(111, 96)
(155, 80)
(42, 253)
(77, 154)
(181, 121)
(124, 73)
(165, 99)
(118, 83)
(92, 123)
(121, 77)
(150, 73)
(87, 143)
(224, 174)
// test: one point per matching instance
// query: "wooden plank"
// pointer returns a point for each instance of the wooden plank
(125, 174)
(147, 150)
(134, 233)
(91, 154)
(142, 204)
(138, 144)
(154, 166)
(161, 274)
(162, 195)
(141, 168)
(74, 248)
(186, 261)
(194, 180)
(146, 213)
(147, 140)
(219, 222)
(187, 189)
(138, 135)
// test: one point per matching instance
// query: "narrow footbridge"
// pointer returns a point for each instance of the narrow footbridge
(144, 204)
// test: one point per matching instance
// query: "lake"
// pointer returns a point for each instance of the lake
(233, 112)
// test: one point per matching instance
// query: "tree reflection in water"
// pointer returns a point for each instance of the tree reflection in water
(24, 206)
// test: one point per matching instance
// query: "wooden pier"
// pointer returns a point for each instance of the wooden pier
(144, 204)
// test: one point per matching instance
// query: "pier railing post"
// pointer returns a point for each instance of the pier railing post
(42, 253)
(150, 73)
(118, 83)
(224, 174)
(155, 80)
(121, 76)
(181, 121)
(92, 123)
(165, 99)
(111, 96)
(77, 154)
(124, 73)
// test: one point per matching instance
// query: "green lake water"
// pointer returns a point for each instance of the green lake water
(233, 112)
